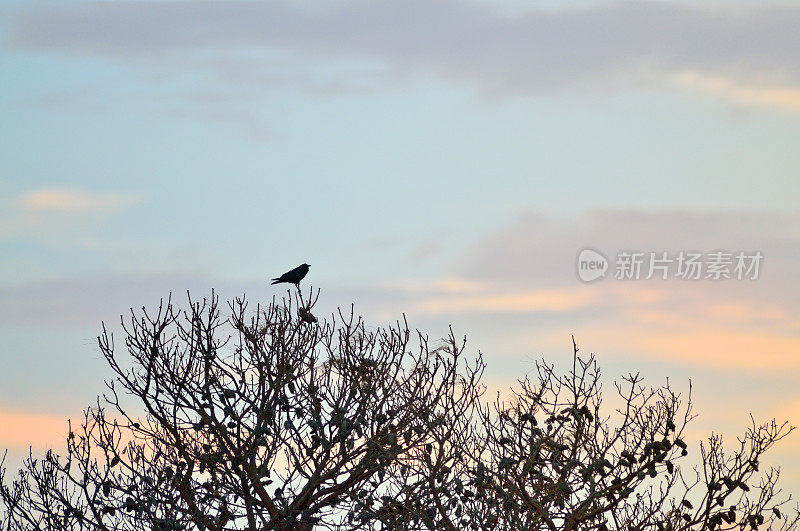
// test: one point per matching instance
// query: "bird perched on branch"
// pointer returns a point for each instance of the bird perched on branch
(294, 276)
(306, 316)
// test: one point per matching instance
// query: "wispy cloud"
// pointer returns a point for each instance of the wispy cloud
(89, 300)
(790, 411)
(730, 325)
(60, 216)
(73, 200)
(720, 349)
(444, 285)
(515, 302)
(521, 280)
(541, 251)
(723, 48)
(22, 429)
(750, 94)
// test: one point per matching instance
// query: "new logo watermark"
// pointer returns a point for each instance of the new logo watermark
(591, 265)
(684, 265)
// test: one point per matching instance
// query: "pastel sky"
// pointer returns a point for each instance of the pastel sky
(447, 160)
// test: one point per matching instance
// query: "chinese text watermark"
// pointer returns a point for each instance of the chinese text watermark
(683, 265)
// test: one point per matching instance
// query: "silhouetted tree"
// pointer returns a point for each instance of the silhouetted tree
(550, 458)
(269, 419)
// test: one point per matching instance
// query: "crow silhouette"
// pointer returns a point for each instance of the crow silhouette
(294, 276)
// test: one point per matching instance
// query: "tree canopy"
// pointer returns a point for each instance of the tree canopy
(266, 418)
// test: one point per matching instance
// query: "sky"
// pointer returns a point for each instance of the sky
(443, 160)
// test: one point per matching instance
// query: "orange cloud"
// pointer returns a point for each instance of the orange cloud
(762, 95)
(72, 200)
(751, 315)
(720, 349)
(22, 430)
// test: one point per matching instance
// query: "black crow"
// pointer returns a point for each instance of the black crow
(294, 276)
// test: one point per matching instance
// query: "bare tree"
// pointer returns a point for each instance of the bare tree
(267, 418)
(549, 458)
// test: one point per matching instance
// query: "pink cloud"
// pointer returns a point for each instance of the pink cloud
(72, 200)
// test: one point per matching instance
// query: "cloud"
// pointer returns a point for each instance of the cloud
(720, 349)
(73, 200)
(790, 411)
(444, 285)
(541, 251)
(530, 301)
(786, 97)
(732, 325)
(724, 49)
(89, 300)
(25, 429)
(59, 216)
(518, 286)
